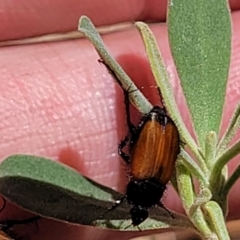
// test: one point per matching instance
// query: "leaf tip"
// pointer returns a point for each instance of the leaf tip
(83, 21)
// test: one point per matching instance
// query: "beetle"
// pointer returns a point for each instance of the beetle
(153, 149)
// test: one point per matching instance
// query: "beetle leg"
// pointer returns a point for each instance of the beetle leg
(117, 203)
(122, 144)
(131, 127)
(114, 206)
(160, 204)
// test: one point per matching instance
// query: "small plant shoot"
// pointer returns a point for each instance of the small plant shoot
(210, 154)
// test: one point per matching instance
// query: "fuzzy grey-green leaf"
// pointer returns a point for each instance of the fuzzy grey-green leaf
(214, 214)
(200, 41)
(137, 98)
(57, 191)
(52, 189)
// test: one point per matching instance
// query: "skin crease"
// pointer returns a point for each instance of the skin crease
(59, 102)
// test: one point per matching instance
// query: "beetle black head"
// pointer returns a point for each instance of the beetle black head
(138, 214)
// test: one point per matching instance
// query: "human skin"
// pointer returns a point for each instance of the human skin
(57, 101)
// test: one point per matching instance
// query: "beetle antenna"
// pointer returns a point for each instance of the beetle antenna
(160, 204)
(117, 204)
(161, 99)
(128, 226)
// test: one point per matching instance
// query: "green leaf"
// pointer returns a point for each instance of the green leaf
(137, 98)
(187, 194)
(218, 167)
(162, 79)
(185, 159)
(229, 183)
(216, 220)
(232, 129)
(53, 190)
(200, 40)
(210, 149)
